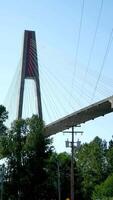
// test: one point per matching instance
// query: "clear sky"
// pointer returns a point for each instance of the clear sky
(68, 82)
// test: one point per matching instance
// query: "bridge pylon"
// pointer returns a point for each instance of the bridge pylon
(29, 70)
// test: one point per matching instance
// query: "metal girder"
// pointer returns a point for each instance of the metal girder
(91, 112)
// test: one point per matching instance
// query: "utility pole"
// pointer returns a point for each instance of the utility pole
(58, 176)
(72, 165)
(59, 192)
(2, 180)
(72, 145)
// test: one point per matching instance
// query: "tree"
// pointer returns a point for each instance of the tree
(38, 150)
(104, 191)
(109, 157)
(65, 167)
(3, 117)
(59, 167)
(27, 153)
(91, 163)
(14, 141)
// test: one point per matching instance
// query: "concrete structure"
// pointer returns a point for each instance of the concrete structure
(91, 112)
(29, 70)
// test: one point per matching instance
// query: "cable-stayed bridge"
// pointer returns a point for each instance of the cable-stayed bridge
(91, 112)
(29, 71)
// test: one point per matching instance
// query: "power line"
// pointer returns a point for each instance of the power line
(78, 42)
(103, 63)
(92, 45)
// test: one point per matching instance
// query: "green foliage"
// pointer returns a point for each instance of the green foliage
(109, 157)
(3, 117)
(64, 160)
(3, 113)
(59, 166)
(90, 159)
(33, 169)
(27, 153)
(104, 191)
(61, 163)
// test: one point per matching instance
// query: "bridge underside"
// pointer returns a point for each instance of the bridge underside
(91, 112)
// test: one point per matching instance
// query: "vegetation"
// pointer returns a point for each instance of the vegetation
(35, 171)
(27, 152)
(3, 117)
(104, 191)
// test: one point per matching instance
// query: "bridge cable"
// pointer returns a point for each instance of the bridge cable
(92, 46)
(61, 83)
(51, 98)
(35, 73)
(48, 96)
(103, 63)
(78, 43)
(46, 73)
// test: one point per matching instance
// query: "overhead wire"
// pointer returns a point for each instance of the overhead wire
(92, 46)
(103, 63)
(78, 43)
(105, 81)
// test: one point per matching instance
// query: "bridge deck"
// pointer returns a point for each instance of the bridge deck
(91, 112)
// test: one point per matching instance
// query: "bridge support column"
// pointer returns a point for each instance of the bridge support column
(29, 70)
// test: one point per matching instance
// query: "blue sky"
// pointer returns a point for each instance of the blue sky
(56, 23)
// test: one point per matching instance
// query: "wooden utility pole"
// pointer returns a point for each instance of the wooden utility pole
(72, 165)
(72, 145)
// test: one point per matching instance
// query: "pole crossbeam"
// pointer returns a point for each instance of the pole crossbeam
(83, 115)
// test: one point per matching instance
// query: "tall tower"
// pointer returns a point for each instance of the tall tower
(29, 70)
